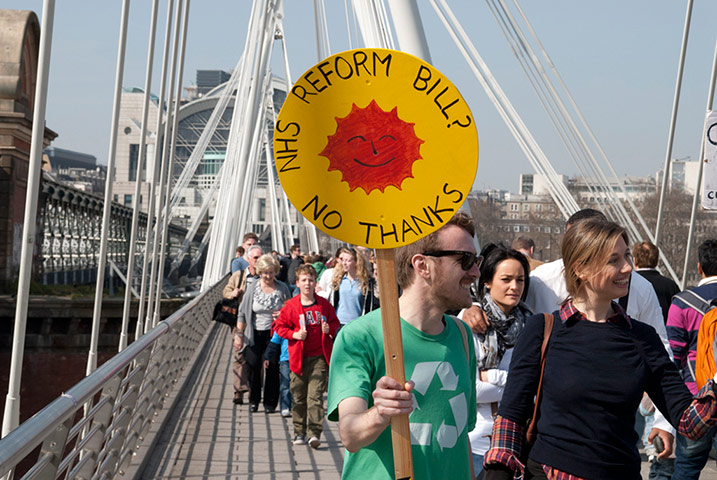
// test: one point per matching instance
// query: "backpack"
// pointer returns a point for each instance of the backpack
(706, 352)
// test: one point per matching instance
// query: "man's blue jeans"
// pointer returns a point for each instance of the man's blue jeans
(659, 469)
(692, 455)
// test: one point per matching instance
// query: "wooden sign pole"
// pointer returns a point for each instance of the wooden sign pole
(393, 353)
(361, 154)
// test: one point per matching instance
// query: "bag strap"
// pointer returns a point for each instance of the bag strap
(623, 301)
(695, 301)
(531, 432)
(701, 306)
(242, 280)
(464, 335)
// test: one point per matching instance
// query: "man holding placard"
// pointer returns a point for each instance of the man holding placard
(435, 273)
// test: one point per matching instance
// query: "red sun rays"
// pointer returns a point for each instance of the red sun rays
(373, 148)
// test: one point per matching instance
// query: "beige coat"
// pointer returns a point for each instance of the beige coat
(237, 280)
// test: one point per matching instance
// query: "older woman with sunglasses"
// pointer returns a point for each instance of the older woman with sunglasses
(502, 286)
(597, 365)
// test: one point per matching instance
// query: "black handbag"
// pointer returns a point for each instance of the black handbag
(225, 311)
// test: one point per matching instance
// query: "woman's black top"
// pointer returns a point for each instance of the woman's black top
(595, 375)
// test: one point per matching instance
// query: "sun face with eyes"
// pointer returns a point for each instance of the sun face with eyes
(373, 148)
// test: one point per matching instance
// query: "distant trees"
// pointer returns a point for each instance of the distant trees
(675, 228)
(487, 215)
(498, 220)
(493, 226)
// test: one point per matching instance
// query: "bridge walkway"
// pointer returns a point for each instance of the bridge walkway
(206, 436)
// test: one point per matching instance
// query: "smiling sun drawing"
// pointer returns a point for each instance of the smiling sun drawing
(373, 148)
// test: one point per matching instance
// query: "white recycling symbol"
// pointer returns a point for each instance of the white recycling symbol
(446, 435)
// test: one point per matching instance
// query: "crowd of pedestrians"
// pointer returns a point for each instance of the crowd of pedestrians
(286, 325)
(606, 344)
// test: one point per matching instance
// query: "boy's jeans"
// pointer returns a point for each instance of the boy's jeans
(307, 391)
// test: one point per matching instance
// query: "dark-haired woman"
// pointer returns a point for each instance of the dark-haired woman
(598, 364)
(502, 286)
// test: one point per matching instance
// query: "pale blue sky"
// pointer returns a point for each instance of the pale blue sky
(618, 58)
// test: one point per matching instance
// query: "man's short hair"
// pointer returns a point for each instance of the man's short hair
(254, 247)
(645, 254)
(239, 250)
(707, 255)
(249, 236)
(522, 243)
(305, 269)
(585, 214)
(403, 255)
(295, 248)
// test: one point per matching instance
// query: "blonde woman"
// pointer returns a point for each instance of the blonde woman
(352, 286)
(259, 308)
(599, 361)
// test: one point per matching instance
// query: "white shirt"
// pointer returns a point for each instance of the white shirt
(547, 291)
(707, 280)
(324, 286)
(487, 393)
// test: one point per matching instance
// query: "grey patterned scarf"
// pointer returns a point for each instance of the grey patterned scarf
(502, 332)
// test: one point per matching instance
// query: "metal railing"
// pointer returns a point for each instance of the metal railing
(94, 430)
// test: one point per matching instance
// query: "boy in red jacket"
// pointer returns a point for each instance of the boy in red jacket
(310, 324)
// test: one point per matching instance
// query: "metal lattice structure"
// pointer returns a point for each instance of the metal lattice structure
(124, 397)
(69, 224)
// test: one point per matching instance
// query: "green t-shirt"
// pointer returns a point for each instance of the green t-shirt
(444, 396)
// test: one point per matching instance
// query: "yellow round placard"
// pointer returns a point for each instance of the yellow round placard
(375, 147)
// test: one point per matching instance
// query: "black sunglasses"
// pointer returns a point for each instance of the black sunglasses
(467, 259)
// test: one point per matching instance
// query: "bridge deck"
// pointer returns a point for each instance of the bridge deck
(209, 437)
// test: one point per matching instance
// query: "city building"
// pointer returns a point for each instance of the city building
(589, 190)
(75, 169)
(525, 207)
(501, 216)
(683, 173)
(128, 141)
(537, 184)
(194, 114)
(207, 80)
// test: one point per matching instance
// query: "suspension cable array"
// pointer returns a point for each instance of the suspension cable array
(138, 183)
(558, 191)
(616, 209)
(551, 99)
(155, 172)
(242, 152)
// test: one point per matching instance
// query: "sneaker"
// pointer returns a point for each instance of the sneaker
(314, 442)
(253, 408)
(285, 412)
(299, 440)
